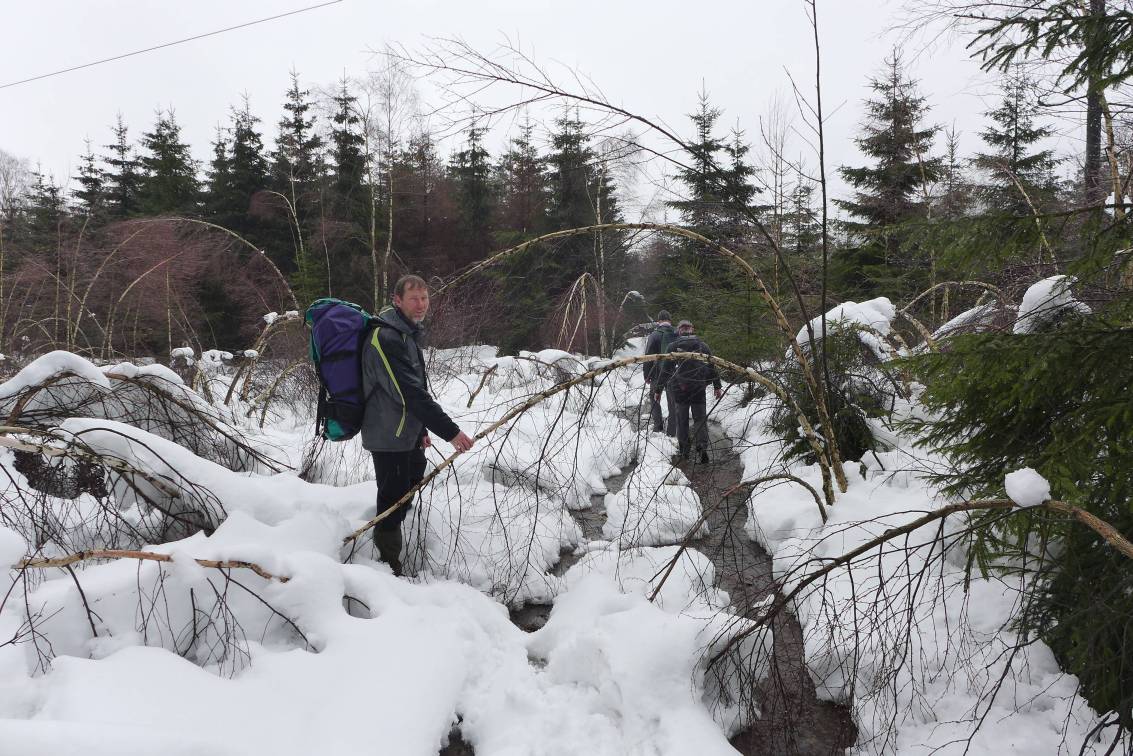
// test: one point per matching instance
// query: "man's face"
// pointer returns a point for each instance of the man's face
(685, 331)
(414, 303)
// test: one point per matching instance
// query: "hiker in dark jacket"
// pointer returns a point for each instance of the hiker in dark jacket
(400, 411)
(658, 343)
(686, 381)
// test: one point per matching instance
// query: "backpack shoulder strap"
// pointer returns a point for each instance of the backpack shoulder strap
(377, 343)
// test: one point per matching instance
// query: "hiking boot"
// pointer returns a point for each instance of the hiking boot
(389, 548)
(704, 456)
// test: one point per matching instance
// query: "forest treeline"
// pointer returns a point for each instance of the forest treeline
(351, 188)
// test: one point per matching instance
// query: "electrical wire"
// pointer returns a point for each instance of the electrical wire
(169, 44)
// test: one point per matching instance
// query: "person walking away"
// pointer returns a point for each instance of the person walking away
(658, 343)
(400, 412)
(687, 382)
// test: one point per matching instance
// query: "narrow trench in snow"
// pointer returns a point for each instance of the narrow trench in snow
(794, 721)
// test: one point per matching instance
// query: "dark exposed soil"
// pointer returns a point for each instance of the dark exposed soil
(456, 745)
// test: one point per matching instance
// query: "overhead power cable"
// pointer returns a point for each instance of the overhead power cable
(170, 44)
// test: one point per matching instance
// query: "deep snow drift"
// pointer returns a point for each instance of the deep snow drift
(179, 658)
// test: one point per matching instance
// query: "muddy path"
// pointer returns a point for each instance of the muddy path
(793, 720)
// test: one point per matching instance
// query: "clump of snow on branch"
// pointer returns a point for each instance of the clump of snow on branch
(1046, 302)
(1026, 487)
(871, 320)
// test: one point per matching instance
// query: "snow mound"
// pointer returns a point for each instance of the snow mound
(130, 370)
(48, 366)
(656, 504)
(12, 547)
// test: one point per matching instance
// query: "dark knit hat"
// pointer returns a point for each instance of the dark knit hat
(664, 315)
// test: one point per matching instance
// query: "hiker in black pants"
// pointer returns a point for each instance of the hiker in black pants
(658, 343)
(400, 411)
(686, 381)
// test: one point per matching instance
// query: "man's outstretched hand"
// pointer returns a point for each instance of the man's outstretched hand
(461, 442)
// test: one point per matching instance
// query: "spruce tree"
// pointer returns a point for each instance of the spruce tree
(123, 176)
(44, 211)
(570, 164)
(471, 171)
(1050, 400)
(696, 281)
(802, 228)
(524, 192)
(91, 180)
(249, 166)
(570, 176)
(218, 180)
(297, 161)
(890, 194)
(237, 171)
(297, 167)
(954, 199)
(703, 176)
(349, 168)
(1021, 178)
(739, 191)
(522, 214)
(169, 181)
(425, 171)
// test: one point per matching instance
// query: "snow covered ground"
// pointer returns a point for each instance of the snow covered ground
(342, 657)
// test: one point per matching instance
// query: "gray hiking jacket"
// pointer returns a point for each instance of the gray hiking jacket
(399, 406)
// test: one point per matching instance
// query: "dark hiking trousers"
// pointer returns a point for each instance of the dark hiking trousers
(670, 423)
(697, 406)
(396, 473)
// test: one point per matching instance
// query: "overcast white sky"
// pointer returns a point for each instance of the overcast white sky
(650, 57)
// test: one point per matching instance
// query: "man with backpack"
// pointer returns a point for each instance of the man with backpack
(686, 381)
(658, 343)
(399, 410)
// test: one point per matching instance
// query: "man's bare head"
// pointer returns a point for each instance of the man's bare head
(411, 296)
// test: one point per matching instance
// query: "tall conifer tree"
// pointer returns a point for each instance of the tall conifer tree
(523, 187)
(297, 161)
(123, 175)
(348, 145)
(1020, 175)
(471, 170)
(249, 166)
(169, 181)
(90, 194)
(892, 191)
